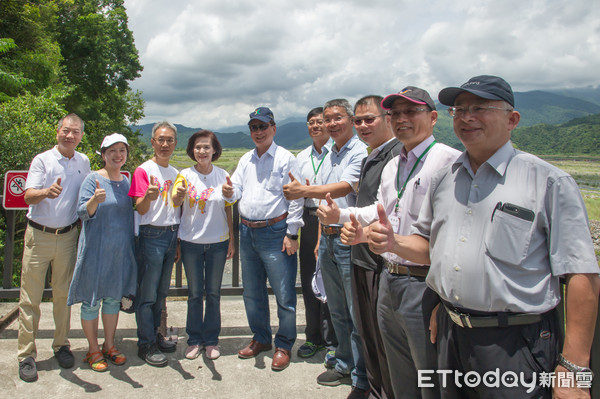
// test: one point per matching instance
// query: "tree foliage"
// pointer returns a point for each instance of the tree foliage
(62, 56)
(578, 136)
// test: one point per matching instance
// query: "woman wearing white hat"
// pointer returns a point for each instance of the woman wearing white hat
(105, 270)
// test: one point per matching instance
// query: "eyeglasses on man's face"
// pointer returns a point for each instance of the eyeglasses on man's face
(368, 120)
(476, 110)
(163, 140)
(315, 122)
(256, 128)
(408, 112)
(336, 119)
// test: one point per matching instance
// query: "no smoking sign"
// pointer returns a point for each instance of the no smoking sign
(14, 189)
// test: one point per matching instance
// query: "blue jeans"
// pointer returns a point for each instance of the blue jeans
(204, 265)
(261, 256)
(337, 280)
(156, 256)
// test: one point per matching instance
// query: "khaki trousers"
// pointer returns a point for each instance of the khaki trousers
(41, 250)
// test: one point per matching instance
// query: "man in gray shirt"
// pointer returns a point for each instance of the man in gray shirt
(499, 228)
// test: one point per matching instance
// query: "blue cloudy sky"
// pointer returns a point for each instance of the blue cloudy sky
(209, 63)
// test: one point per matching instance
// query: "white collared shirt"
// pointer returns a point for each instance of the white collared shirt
(45, 169)
(258, 185)
(309, 165)
(438, 157)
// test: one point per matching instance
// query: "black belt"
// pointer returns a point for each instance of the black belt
(52, 230)
(330, 230)
(257, 224)
(172, 227)
(501, 319)
(402, 270)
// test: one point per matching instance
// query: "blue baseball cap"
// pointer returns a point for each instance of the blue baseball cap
(484, 86)
(263, 114)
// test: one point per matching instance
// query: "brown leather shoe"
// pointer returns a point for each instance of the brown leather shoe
(253, 349)
(281, 359)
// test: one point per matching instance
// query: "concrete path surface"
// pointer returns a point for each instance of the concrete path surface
(226, 377)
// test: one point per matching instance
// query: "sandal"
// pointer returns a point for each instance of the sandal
(96, 361)
(114, 356)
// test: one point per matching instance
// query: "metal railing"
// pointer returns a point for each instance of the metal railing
(8, 291)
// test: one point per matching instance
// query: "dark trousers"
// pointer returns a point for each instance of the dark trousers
(522, 350)
(365, 292)
(319, 329)
(403, 310)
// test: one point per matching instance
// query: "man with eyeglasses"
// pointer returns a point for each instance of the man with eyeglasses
(372, 125)
(268, 238)
(403, 301)
(319, 330)
(157, 250)
(500, 227)
(51, 191)
(341, 172)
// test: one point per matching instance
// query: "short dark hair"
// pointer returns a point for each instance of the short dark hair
(314, 112)
(368, 100)
(214, 141)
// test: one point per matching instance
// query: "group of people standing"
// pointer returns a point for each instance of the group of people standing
(181, 214)
(434, 262)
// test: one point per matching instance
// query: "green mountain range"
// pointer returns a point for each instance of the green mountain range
(561, 121)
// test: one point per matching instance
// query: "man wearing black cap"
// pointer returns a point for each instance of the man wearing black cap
(268, 238)
(403, 302)
(502, 226)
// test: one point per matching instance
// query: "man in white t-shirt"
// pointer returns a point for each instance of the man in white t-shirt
(159, 221)
(51, 191)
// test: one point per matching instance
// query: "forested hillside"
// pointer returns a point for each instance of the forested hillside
(578, 136)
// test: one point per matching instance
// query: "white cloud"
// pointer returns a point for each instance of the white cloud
(210, 63)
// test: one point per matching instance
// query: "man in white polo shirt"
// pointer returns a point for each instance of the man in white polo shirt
(51, 192)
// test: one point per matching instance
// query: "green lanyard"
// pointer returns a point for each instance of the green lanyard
(316, 170)
(401, 190)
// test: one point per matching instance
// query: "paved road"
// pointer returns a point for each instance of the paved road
(226, 377)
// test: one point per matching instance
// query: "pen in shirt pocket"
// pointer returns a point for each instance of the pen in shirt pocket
(417, 182)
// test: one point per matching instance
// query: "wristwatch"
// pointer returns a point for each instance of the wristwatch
(292, 236)
(572, 367)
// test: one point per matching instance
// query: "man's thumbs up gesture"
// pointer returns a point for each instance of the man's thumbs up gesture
(294, 189)
(381, 234)
(329, 213)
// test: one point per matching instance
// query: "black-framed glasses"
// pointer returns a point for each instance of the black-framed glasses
(477, 110)
(409, 112)
(368, 120)
(256, 128)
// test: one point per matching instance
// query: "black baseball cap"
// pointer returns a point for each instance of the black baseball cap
(484, 86)
(411, 93)
(263, 114)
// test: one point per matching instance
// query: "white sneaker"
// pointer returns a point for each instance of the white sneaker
(212, 352)
(192, 352)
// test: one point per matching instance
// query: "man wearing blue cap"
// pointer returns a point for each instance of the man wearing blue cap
(503, 226)
(268, 237)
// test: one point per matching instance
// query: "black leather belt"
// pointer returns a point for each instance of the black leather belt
(172, 227)
(501, 319)
(52, 230)
(402, 270)
(257, 224)
(330, 230)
